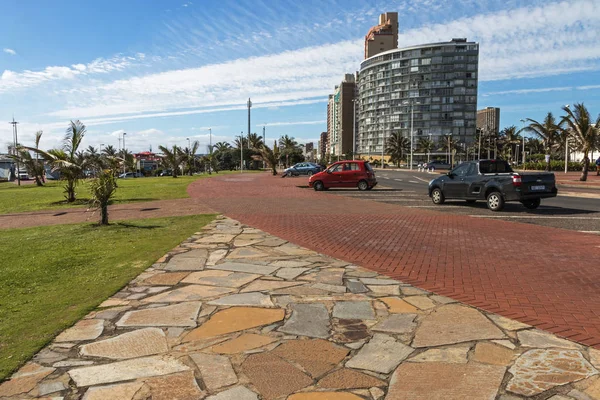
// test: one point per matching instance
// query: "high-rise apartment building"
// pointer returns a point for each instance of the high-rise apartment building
(323, 145)
(436, 83)
(382, 37)
(340, 117)
(488, 119)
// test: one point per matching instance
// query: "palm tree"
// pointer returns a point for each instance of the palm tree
(425, 145)
(287, 145)
(190, 156)
(66, 160)
(34, 166)
(447, 143)
(270, 156)
(509, 138)
(397, 146)
(172, 158)
(584, 131)
(221, 146)
(256, 141)
(110, 151)
(548, 132)
(103, 189)
(243, 142)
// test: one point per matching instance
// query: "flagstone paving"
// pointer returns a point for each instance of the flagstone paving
(236, 314)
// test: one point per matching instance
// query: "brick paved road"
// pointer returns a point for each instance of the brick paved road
(542, 276)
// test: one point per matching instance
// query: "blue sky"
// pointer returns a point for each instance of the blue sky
(163, 71)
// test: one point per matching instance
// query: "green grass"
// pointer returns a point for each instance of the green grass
(14, 199)
(52, 276)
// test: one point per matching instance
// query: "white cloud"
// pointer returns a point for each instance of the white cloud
(294, 123)
(10, 51)
(541, 90)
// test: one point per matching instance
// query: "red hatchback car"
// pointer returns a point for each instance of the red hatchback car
(348, 173)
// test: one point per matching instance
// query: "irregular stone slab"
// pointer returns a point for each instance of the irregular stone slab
(353, 310)
(247, 341)
(246, 252)
(376, 281)
(508, 324)
(399, 306)
(244, 299)
(216, 238)
(179, 263)
(168, 278)
(246, 242)
(124, 391)
(261, 285)
(324, 396)
(273, 377)
(183, 314)
(140, 343)
(506, 343)
(177, 386)
(536, 338)
(488, 353)
(442, 299)
(307, 320)
(329, 276)
(350, 330)
(273, 242)
(594, 357)
(454, 323)
(113, 303)
(349, 379)
(385, 290)
(71, 363)
(290, 263)
(216, 256)
(422, 302)
(316, 356)
(536, 371)
(109, 313)
(127, 370)
(355, 286)
(291, 250)
(397, 323)
(291, 273)
(330, 288)
(233, 320)
(382, 354)
(188, 293)
(195, 253)
(220, 278)
(440, 381)
(216, 370)
(456, 354)
(248, 268)
(24, 380)
(87, 329)
(235, 393)
(47, 387)
(303, 290)
(413, 291)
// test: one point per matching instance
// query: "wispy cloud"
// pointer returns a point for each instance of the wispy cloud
(294, 123)
(541, 90)
(10, 51)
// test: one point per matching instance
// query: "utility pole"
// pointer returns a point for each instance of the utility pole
(264, 139)
(242, 148)
(210, 161)
(354, 129)
(567, 147)
(16, 139)
(124, 154)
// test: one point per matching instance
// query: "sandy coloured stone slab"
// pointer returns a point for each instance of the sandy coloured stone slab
(349, 379)
(353, 310)
(126, 370)
(489, 353)
(396, 323)
(216, 238)
(454, 323)
(122, 391)
(168, 278)
(188, 293)
(245, 252)
(179, 386)
(290, 263)
(139, 343)
(261, 285)
(292, 250)
(315, 356)
(179, 263)
(398, 306)
(537, 338)
(379, 281)
(385, 290)
(422, 302)
(220, 278)
(235, 393)
(255, 299)
(291, 273)
(216, 370)
(324, 396)
(182, 314)
(233, 320)
(307, 320)
(87, 329)
(246, 267)
(247, 341)
(273, 377)
(441, 381)
(25, 379)
(456, 354)
(216, 256)
(413, 291)
(538, 370)
(329, 276)
(381, 354)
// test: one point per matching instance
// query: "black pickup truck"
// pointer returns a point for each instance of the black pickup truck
(493, 181)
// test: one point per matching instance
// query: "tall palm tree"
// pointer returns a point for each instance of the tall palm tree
(287, 145)
(256, 141)
(109, 151)
(190, 156)
(271, 156)
(243, 142)
(66, 160)
(34, 166)
(509, 138)
(397, 146)
(425, 145)
(548, 132)
(584, 131)
(172, 158)
(448, 143)
(221, 146)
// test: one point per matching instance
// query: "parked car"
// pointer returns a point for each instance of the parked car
(132, 175)
(436, 164)
(355, 173)
(495, 182)
(304, 168)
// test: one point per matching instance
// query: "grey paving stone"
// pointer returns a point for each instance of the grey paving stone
(291, 273)
(308, 320)
(355, 286)
(235, 393)
(353, 310)
(397, 323)
(382, 354)
(244, 299)
(245, 267)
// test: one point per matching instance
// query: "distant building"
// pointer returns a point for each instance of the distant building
(147, 161)
(323, 146)
(382, 37)
(341, 117)
(488, 119)
(7, 168)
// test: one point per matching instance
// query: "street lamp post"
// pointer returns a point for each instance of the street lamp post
(124, 154)
(567, 147)
(242, 148)
(15, 151)
(209, 151)
(411, 134)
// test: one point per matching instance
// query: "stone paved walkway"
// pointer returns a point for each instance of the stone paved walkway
(236, 314)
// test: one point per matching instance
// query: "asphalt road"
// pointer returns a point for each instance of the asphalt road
(578, 211)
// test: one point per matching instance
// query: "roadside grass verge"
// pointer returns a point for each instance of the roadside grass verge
(29, 197)
(52, 276)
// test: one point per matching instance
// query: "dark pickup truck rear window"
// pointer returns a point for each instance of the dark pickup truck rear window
(494, 167)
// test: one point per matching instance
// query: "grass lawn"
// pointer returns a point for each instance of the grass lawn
(14, 199)
(52, 276)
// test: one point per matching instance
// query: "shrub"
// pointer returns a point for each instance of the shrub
(555, 165)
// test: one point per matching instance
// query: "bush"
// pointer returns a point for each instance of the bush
(555, 165)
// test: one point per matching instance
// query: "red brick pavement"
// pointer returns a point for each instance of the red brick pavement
(542, 276)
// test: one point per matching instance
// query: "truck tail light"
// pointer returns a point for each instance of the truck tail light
(516, 180)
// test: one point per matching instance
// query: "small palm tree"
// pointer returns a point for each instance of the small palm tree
(548, 132)
(190, 156)
(172, 158)
(103, 189)
(221, 146)
(509, 138)
(288, 145)
(584, 131)
(397, 146)
(448, 143)
(270, 156)
(425, 145)
(34, 166)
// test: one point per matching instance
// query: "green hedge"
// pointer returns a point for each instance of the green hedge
(554, 166)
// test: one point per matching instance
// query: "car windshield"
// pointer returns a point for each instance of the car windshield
(494, 167)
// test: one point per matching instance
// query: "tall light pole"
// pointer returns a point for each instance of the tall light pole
(411, 133)
(265, 140)
(209, 151)
(354, 128)
(249, 104)
(124, 153)
(523, 130)
(16, 142)
(567, 146)
(242, 148)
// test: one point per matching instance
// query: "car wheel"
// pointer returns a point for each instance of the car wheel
(532, 204)
(318, 185)
(495, 201)
(471, 201)
(363, 185)
(437, 196)
(309, 173)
